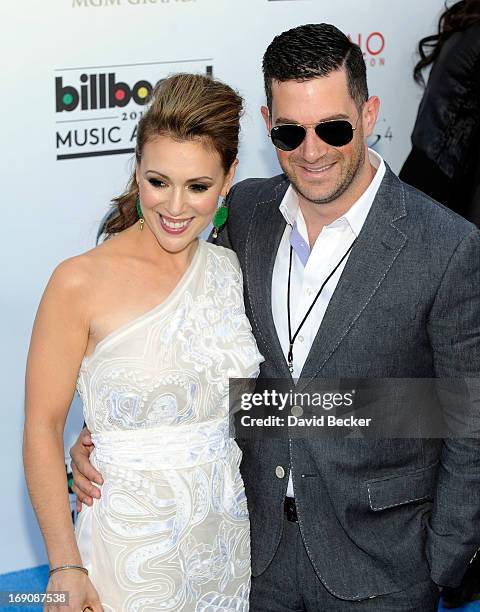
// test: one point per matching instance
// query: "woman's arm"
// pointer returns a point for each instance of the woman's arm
(58, 344)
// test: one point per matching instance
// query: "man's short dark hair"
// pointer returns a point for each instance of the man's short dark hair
(314, 50)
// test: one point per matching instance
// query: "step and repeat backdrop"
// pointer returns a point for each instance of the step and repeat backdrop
(76, 75)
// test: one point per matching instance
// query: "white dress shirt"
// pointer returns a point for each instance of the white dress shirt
(329, 248)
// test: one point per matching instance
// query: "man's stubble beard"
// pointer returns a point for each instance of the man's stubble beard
(357, 161)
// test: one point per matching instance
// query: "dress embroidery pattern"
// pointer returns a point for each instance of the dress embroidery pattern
(171, 530)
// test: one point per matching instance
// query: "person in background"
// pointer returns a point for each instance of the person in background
(444, 161)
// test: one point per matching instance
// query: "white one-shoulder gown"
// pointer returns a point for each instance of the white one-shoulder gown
(171, 529)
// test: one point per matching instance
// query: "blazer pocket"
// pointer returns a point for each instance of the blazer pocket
(392, 491)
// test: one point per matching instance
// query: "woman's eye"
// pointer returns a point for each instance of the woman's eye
(156, 182)
(198, 187)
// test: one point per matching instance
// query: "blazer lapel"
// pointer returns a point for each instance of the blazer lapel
(378, 245)
(265, 233)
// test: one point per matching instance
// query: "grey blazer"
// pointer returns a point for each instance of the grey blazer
(375, 515)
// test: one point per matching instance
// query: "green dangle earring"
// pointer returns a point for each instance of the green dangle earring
(139, 213)
(220, 218)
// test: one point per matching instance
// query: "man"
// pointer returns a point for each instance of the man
(349, 524)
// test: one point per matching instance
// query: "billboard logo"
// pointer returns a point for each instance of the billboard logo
(97, 112)
(99, 91)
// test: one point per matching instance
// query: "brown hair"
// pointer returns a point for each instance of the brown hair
(184, 107)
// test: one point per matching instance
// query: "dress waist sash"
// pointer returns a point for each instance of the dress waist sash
(164, 447)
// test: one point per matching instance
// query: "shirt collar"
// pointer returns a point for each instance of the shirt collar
(355, 215)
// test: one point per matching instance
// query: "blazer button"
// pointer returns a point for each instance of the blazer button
(296, 411)
(279, 471)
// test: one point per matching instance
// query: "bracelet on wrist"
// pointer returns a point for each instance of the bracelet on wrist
(66, 567)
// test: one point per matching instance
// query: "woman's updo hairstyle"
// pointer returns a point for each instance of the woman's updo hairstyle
(183, 107)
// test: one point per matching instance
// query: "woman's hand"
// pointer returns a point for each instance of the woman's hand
(79, 589)
(83, 472)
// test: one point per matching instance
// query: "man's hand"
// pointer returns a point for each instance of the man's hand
(84, 475)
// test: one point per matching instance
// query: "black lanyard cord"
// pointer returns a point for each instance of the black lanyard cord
(291, 339)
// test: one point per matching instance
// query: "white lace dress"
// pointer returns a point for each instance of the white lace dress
(171, 529)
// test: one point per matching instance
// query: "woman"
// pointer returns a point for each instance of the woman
(445, 158)
(149, 326)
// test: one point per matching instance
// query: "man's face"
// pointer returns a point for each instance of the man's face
(321, 173)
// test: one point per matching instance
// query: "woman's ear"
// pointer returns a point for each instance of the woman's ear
(227, 183)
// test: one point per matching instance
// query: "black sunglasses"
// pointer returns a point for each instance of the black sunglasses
(289, 136)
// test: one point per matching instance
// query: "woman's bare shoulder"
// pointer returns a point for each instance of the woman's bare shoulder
(81, 270)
